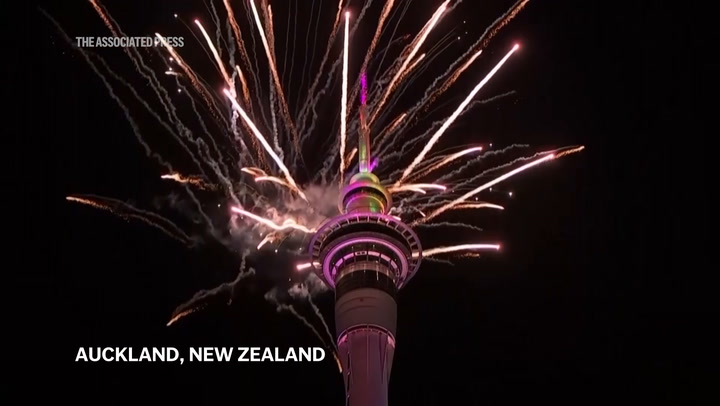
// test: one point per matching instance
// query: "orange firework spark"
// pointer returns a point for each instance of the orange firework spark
(193, 180)
(127, 212)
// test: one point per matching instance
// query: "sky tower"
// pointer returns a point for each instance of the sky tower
(366, 256)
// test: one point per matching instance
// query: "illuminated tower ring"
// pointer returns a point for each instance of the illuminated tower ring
(361, 238)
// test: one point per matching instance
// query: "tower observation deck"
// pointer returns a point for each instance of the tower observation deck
(366, 256)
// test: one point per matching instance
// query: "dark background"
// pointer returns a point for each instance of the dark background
(579, 306)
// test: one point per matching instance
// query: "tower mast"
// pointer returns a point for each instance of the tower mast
(364, 133)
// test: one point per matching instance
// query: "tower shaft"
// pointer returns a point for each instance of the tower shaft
(366, 319)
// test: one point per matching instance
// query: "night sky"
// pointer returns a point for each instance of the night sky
(572, 309)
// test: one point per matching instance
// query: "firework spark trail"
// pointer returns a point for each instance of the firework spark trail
(288, 225)
(270, 296)
(270, 27)
(446, 224)
(267, 15)
(447, 160)
(306, 265)
(416, 187)
(273, 179)
(398, 146)
(498, 24)
(199, 41)
(408, 81)
(468, 164)
(254, 171)
(322, 319)
(218, 32)
(192, 306)
(218, 60)
(194, 80)
(140, 66)
(438, 261)
(148, 215)
(453, 78)
(233, 125)
(240, 146)
(254, 69)
(349, 158)
(415, 63)
(479, 189)
(329, 163)
(218, 166)
(573, 150)
(308, 31)
(182, 314)
(315, 38)
(92, 203)
(454, 248)
(127, 212)
(238, 35)
(381, 137)
(401, 12)
(273, 119)
(134, 55)
(390, 143)
(485, 101)
(307, 41)
(478, 46)
(302, 291)
(265, 144)
(344, 101)
(291, 55)
(479, 205)
(330, 79)
(399, 74)
(129, 118)
(468, 183)
(454, 116)
(316, 81)
(229, 41)
(182, 133)
(268, 239)
(197, 302)
(412, 74)
(193, 180)
(285, 111)
(373, 44)
(244, 87)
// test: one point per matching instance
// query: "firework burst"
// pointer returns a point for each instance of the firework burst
(248, 145)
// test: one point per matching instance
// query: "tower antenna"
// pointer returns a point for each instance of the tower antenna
(364, 133)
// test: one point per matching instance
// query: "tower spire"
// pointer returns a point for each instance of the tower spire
(364, 133)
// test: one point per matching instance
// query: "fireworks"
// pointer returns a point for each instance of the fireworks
(246, 141)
